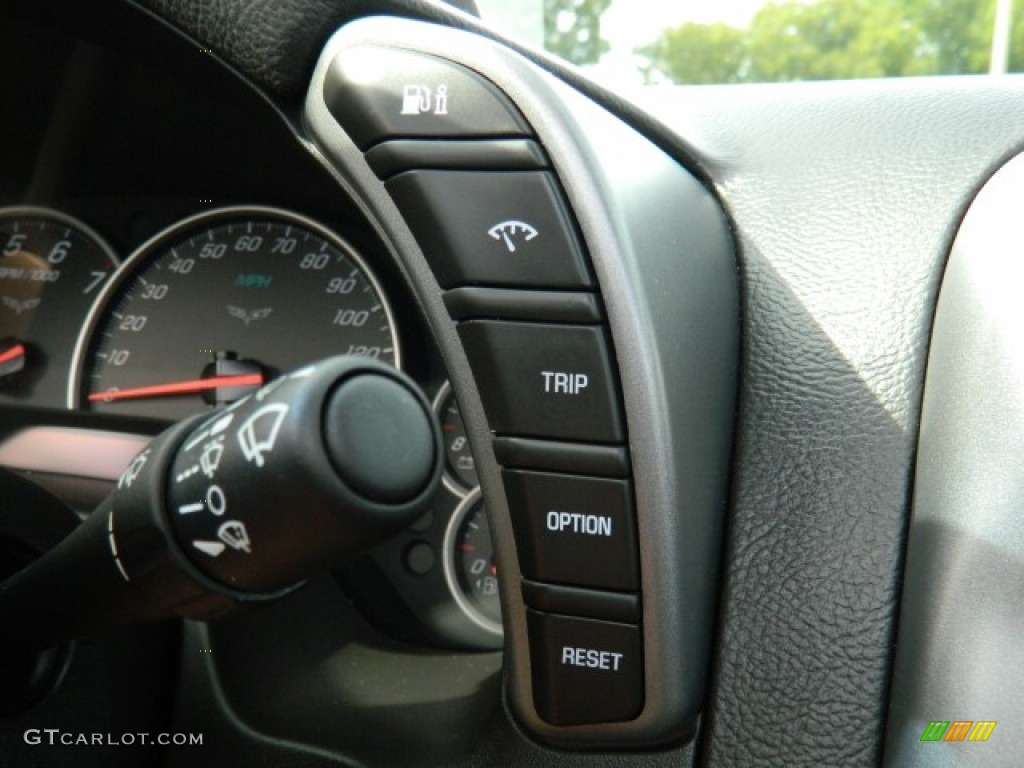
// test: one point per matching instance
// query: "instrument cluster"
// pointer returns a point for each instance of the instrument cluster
(198, 316)
(157, 262)
(205, 311)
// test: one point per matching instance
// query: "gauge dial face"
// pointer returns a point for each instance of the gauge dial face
(470, 568)
(221, 303)
(460, 467)
(52, 268)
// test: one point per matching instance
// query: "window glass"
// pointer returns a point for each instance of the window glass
(632, 42)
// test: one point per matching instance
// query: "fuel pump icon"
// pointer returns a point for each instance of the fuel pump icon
(416, 100)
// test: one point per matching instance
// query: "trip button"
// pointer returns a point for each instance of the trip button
(384, 93)
(574, 530)
(585, 671)
(501, 229)
(541, 380)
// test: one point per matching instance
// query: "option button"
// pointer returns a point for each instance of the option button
(574, 530)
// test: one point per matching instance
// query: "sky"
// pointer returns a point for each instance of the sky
(629, 23)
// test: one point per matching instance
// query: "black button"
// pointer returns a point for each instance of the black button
(383, 93)
(574, 601)
(396, 455)
(419, 558)
(574, 530)
(551, 456)
(585, 671)
(539, 380)
(500, 228)
(475, 303)
(393, 157)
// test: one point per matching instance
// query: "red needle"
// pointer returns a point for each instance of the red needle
(14, 352)
(182, 387)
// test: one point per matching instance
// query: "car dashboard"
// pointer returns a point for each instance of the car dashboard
(82, 237)
(698, 505)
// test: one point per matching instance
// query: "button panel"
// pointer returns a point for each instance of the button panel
(541, 380)
(480, 196)
(664, 267)
(574, 530)
(506, 228)
(585, 671)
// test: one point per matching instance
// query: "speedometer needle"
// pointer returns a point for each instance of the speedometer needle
(190, 386)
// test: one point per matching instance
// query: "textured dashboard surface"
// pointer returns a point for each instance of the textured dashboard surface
(276, 42)
(845, 198)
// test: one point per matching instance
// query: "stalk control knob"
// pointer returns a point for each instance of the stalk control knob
(240, 505)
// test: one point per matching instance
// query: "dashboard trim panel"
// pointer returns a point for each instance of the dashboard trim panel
(680, 479)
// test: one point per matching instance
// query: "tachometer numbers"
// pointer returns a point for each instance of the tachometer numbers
(52, 267)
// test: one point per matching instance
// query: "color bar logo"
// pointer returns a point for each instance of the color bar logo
(958, 730)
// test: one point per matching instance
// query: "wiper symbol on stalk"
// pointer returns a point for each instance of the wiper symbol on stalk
(512, 230)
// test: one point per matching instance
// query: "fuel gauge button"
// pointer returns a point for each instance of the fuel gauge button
(379, 93)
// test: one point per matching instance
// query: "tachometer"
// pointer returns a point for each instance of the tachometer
(51, 269)
(221, 303)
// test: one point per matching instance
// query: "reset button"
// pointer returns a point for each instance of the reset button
(585, 671)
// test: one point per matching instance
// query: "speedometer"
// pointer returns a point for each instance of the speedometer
(221, 303)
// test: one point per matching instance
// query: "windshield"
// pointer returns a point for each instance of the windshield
(635, 42)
